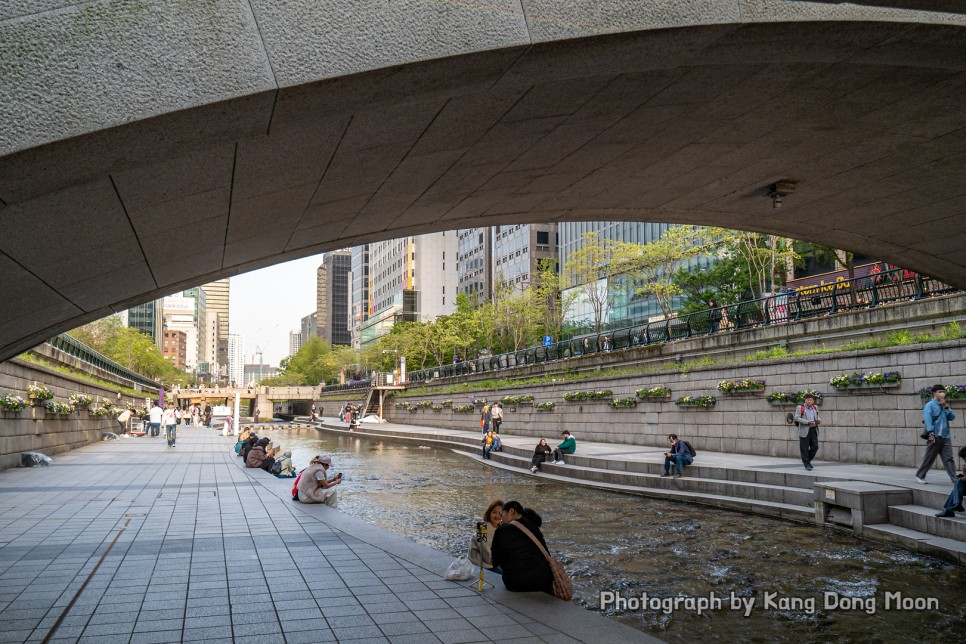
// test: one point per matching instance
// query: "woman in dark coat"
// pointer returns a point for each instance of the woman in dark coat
(525, 568)
(247, 447)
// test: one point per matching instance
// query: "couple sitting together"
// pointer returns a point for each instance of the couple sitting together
(543, 453)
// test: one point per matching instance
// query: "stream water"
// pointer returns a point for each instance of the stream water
(633, 545)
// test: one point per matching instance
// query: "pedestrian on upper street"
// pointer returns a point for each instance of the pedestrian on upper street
(496, 414)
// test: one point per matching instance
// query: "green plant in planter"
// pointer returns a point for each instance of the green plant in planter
(9, 402)
(794, 397)
(953, 392)
(845, 381)
(58, 407)
(437, 408)
(447, 403)
(735, 386)
(696, 401)
(517, 400)
(654, 392)
(426, 404)
(544, 406)
(599, 394)
(80, 401)
(463, 409)
(40, 392)
(624, 402)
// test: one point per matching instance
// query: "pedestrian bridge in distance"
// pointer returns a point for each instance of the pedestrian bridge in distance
(265, 131)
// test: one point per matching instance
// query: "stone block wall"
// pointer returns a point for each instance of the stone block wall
(34, 429)
(874, 426)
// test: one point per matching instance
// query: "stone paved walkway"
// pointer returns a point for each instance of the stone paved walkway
(130, 541)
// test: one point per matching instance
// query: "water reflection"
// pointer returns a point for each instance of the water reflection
(634, 545)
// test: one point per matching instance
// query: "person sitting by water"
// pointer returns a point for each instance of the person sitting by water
(497, 444)
(283, 465)
(247, 446)
(488, 444)
(261, 456)
(540, 455)
(568, 446)
(480, 550)
(525, 568)
(680, 455)
(316, 485)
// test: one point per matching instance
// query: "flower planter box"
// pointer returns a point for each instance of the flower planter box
(852, 389)
(744, 392)
(694, 406)
(656, 398)
(789, 403)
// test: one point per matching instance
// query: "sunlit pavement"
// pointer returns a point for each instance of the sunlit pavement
(132, 541)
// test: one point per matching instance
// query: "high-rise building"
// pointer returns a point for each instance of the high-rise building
(294, 342)
(209, 366)
(332, 297)
(310, 327)
(179, 315)
(359, 307)
(174, 346)
(253, 373)
(218, 300)
(236, 359)
(474, 263)
(409, 281)
(518, 250)
(624, 306)
(147, 318)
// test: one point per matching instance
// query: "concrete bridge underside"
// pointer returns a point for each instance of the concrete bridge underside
(150, 146)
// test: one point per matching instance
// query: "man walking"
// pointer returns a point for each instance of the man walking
(154, 421)
(936, 416)
(954, 503)
(170, 420)
(807, 419)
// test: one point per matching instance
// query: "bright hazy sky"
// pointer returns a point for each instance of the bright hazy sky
(268, 303)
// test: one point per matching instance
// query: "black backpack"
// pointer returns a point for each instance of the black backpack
(694, 452)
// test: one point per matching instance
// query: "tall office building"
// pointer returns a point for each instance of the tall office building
(310, 327)
(517, 251)
(147, 318)
(359, 305)
(332, 297)
(218, 299)
(236, 359)
(410, 279)
(474, 263)
(179, 315)
(623, 305)
(174, 347)
(294, 342)
(211, 369)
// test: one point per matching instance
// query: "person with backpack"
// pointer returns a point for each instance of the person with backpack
(314, 485)
(680, 455)
(283, 467)
(807, 420)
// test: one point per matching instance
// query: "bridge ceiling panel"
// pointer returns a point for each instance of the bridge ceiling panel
(273, 130)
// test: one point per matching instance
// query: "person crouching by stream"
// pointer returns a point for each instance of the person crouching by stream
(481, 550)
(524, 566)
(315, 484)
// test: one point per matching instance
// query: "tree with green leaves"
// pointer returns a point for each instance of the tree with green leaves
(587, 270)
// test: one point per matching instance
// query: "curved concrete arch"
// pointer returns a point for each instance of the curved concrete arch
(266, 131)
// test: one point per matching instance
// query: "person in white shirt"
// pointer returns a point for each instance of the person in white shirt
(170, 420)
(154, 421)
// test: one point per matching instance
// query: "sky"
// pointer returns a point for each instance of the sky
(266, 304)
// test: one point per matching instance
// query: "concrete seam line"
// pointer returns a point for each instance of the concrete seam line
(90, 575)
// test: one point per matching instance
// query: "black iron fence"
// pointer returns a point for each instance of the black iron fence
(807, 302)
(83, 352)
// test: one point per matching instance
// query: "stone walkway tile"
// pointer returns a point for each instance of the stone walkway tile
(449, 624)
(261, 628)
(558, 638)
(340, 600)
(403, 628)
(538, 629)
(343, 633)
(96, 630)
(16, 636)
(343, 611)
(294, 604)
(489, 621)
(350, 621)
(252, 617)
(437, 613)
(425, 604)
(394, 618)
(393, 606)
(258, 639)
(104, 639)
(207, 633)
(310, 637)
(310, 624)
(207, 621)
(461, 637)
(422, 638)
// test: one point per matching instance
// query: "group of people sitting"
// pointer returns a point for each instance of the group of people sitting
(260, 453)
(491, 443)
(506, 543)
(544, 454)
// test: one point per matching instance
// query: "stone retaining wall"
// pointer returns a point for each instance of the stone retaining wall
(34, 429)
(876, 426)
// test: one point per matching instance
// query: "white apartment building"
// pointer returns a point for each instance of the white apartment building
(178, 312)
(236, 359)
(294, 341)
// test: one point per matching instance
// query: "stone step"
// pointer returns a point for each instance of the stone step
(924, 519)
(690, 482)
(918, 541)
(787, 511)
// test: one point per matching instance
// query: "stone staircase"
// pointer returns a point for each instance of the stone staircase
(897, 515)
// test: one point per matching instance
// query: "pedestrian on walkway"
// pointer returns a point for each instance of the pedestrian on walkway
(170, 420)
(496, 413)
(207, 414)
(485, 418)
(255, 416)
(807, 420)
(936, 416)
(154, 420)
(954, 503)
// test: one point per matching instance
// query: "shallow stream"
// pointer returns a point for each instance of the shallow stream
(633, 545)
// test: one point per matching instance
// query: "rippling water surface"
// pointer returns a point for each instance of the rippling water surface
(633, 545)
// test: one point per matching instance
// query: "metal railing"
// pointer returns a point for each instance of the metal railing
(809, 302)
(83, 352)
